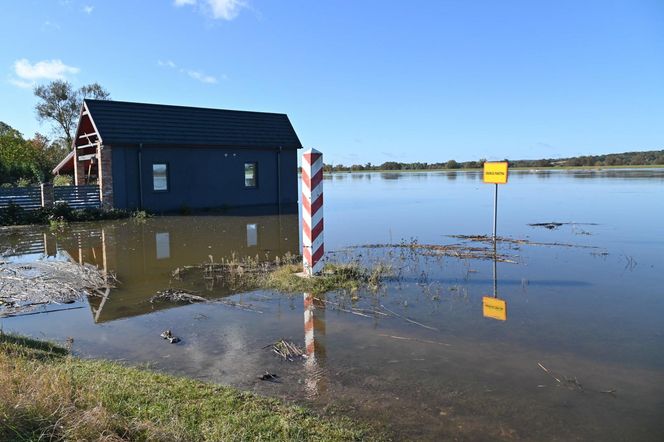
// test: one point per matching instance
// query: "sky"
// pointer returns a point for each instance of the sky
(364, 80)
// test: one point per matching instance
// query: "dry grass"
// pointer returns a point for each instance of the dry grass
(48, 395)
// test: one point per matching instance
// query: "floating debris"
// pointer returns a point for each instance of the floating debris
(170, 337)
(572, 383)
(287, 350)
(555, 225)
(490, 240)
(24, 286)
(267, 376)
(182, 296)
(451, 250)
(549, 226)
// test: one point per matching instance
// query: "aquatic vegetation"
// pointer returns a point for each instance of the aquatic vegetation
(285, 274)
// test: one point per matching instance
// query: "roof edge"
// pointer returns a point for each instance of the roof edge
(178, 106)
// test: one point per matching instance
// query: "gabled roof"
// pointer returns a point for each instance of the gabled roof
(120, 122)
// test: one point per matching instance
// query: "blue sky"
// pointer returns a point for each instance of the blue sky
(365, 81)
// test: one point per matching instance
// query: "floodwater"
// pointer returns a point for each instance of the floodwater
(580, 355)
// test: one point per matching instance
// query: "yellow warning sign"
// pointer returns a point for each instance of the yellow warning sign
(495, 172)
(494, 308)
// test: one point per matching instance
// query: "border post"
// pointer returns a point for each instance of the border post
(312, 212)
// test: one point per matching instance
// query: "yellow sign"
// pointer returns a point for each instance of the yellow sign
(495, 172)
(494, 308)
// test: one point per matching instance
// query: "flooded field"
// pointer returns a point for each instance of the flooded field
(579, 356)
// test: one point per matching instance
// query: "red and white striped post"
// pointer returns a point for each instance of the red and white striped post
(312, 211)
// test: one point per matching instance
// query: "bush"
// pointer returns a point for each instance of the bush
(59, 215)
(62, 210)
(22, 182)
(63, 180)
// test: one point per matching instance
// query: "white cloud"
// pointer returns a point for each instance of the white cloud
(88, 9)
(196, 75)
(167, 63)
(217, 9)
(28, 74)
(225, 9)
(200, 76)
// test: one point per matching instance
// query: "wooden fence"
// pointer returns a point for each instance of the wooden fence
(34, 197)
(77, 197)
(29, 198)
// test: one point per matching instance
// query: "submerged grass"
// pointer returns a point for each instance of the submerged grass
(284, 275)
(48, 394)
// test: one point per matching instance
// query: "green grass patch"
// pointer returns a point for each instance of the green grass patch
(284, 274)
(48, 395)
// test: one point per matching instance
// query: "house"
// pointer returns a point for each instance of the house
(168, 158)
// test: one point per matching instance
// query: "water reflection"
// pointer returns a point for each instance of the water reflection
(494, 307)
(314, 341)
(143, 255)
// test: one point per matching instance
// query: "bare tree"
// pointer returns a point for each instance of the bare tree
(59, 103)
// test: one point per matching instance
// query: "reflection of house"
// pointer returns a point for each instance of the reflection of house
(143, 256)
(167, 158)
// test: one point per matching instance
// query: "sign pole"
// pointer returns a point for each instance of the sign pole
(495, 213)
(492, 307)
(495, 272)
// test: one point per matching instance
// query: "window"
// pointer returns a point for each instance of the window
(250, 174)
(160, 177)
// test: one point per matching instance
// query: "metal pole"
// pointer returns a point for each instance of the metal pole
(495, 212)
(495, 272)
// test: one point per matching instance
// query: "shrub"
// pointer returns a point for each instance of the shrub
(22, 182)
(63, 180)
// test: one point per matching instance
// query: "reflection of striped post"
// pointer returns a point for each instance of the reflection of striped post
(314, 334)
(312, 211)
(309, 340)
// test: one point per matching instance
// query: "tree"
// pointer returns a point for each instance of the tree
(19, 159)
(452, 164)
(59, 103)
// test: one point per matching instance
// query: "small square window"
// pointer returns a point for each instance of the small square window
(160, 177)
(250, 174)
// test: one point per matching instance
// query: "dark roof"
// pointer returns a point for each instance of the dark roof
(120, 122)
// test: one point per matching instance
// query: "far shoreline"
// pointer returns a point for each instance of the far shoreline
(479, 169)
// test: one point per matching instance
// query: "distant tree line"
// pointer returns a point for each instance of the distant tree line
(647, 158)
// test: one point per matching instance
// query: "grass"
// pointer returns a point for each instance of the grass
(47, 394)
(350, 277)
(284, 275)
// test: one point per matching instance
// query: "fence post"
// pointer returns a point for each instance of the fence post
(47, 197)
(312, 211)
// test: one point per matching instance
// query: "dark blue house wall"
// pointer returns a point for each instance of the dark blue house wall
(201, 177)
